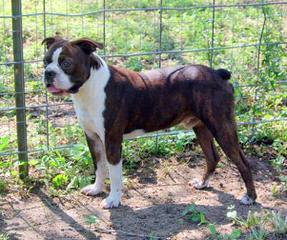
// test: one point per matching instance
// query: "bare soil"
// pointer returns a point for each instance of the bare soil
(154, 199)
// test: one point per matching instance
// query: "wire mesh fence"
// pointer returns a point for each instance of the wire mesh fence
(247, 37)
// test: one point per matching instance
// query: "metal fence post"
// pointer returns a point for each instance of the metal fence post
(212, 35)
(104, 28)
(19, 87)
(159, 56)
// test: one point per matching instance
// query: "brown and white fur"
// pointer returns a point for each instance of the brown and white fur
(112, 103)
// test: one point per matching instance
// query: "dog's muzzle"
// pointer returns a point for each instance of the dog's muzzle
(49, 77)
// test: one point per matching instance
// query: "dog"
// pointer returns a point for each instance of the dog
(112, 103)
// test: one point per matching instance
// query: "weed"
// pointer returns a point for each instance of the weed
(135, 151)
(253, 218)
(283, 179)
(193, 215)
(166, 168)
(3, 186)
(60, 181)
(279, 223)
(214, 235)
(257, 234)
(91, 219)
(4, 236)
(257, 223)
(275, 191)
(278, 162)
(134, 63)
(4, 143)
(152, 236)
(79, 182)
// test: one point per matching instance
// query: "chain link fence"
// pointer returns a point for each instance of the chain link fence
(247, 37)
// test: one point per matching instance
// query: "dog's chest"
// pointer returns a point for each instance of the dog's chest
(90, 116)
(89, 103)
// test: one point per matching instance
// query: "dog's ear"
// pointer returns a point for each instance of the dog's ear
(50, 40)
(87, 45)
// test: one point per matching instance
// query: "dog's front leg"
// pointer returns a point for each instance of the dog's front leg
(98, 153)
(113, 149)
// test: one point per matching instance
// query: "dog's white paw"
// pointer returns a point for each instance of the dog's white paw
(111, 202)
(246, 200)
(92, 190)
(198, 184)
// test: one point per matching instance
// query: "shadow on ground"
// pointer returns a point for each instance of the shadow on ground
(153, 206)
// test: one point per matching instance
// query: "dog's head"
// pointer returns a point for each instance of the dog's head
(68, 63)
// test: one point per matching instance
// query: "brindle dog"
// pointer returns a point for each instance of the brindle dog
(113, 102)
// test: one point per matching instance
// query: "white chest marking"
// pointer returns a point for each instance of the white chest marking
(89, 102)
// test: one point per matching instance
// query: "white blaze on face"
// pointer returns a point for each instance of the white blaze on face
(62, 80)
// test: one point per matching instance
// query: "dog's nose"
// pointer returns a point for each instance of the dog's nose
(49, 74)
(49, 77)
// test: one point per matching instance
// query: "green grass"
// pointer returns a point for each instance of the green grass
(4, 236)
(257, 234)
(260, 225)
(214, 235)
(256, 226)
(3, 186)
(193, 215)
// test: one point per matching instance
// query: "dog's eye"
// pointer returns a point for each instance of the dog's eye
(66, 65)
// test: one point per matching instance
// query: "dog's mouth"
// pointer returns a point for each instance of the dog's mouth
(56, 91)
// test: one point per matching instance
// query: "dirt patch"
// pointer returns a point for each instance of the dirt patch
(153, 202)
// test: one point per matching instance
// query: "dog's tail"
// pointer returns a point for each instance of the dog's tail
(224, 74)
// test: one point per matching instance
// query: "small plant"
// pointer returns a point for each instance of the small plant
(212, 230)
(151, 236)
(235, 234)
(136, 150)
(79, 182)
(279, 223)
(257, 222)
(232, 213)
(134, 63)
(59, 181)
(193, 215)
(166, 168)
(54, 192)
(4, 143)
(278, 162)
(283, 179)
(257, 234)
(4, 236)
(3, 186)
(91, 219)
(252, 220)
(275, 191)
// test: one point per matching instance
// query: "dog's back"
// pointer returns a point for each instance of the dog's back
(161, 98)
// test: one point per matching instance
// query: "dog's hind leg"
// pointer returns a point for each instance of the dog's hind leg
(224, 131)
(206, 142)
